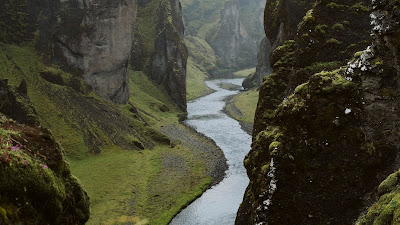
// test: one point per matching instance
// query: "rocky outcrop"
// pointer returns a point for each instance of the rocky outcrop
(227, 41)
(325, 130)
(90, 39)
(263, 66)
(282, 17)
(95, 38)
(169, 58)
(36, 184)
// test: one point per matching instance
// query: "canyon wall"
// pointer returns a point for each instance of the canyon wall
(326, 127)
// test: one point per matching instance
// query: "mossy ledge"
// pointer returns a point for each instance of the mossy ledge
(36, 184)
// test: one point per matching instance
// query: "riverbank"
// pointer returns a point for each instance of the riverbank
(219, 204)
(242, 108)
(152, 185)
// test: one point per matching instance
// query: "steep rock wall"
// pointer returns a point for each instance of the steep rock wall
(92, 39)
(323, 140)
(95, 38)
(263, 67)
(169, 58)
(159, 48)
(282, 17)
(227, 42)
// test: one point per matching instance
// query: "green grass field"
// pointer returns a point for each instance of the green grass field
(244, 73)
(246, 103)
(195, 85)
(125, 185)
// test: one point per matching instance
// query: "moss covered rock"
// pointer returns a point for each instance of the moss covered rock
(323, 143)
(36, 184)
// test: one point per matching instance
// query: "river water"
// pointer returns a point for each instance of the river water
(218, 205)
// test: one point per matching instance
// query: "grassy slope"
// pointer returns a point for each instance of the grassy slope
(246, 104)
(124, 184)
(195, 81)
(138, 183)
(244, 73)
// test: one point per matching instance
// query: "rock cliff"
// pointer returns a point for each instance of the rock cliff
(227, 41)
(325, 130)
(36, 183)
(159, 49)
(95, 38)
(169, 58)
(226, 27)
(263, 67)
(91, 39)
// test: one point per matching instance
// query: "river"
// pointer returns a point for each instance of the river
(219, 204)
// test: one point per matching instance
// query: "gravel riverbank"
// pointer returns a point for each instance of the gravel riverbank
(202, 147)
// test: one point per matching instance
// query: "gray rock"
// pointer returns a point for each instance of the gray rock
(169, 58)
(95, 38)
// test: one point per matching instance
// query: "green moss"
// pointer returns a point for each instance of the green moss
(386, 210)
(358, 54)
(377, 61)
(337, 26)
(3, 214)
(359, 7)
(333, 41)
(334, 5)
(265, 168)
(308, 18)
(321, 29)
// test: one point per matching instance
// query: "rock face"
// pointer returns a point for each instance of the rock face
(36, 183)
(91, 39)
(159, 49)
(282, 17)
(325, 131)
(95, 38)
(227, 42)
(169, 58)
(263, 66)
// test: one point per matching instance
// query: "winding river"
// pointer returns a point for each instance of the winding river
(218, 205)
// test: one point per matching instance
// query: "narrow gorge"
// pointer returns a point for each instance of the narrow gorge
(200, 112)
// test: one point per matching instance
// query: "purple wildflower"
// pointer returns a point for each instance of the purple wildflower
(25, 162)
(45, 166)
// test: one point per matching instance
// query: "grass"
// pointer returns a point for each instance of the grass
(246, 103)
(125, 185)
(244, 73)
(195, 85)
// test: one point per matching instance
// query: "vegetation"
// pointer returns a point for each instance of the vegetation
(243, 106)
(195, 85)
(244, 73)
(125, 185)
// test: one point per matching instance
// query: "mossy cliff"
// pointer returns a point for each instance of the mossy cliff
(36, 184)
(159, 48)
(327, 122)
